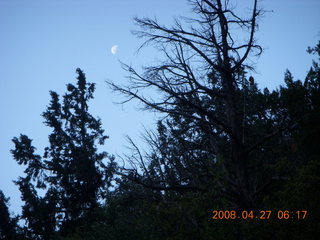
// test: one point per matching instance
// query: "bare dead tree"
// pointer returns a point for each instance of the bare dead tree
(200, 79)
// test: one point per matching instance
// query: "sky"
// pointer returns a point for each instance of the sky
(42, 42)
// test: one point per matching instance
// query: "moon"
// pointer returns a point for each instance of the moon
(114, 49)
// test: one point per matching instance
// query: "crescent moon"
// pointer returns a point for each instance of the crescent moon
(114, 49)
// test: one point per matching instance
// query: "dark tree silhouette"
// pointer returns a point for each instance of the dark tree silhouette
(8, 225)
(71, 171)
(203, 81)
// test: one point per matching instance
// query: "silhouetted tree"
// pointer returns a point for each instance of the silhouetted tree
(190, 169)
(203, 85)
(71, 172)
(8, 225)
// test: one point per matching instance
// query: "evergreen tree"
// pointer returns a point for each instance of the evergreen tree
(8, 225)
(186, 174)
(71, 172)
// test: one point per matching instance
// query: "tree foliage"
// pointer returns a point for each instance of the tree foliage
(9, 229)
(220, 135)
(71, 172)
(208, 99)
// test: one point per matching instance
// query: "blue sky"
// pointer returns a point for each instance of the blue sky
(43, 42)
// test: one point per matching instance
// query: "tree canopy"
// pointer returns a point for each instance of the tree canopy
(71, 172)
(206, 92)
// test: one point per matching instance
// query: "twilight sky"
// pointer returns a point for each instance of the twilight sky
(42, 42)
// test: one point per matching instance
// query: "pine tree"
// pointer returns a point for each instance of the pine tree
(8, 225)
(71, 170)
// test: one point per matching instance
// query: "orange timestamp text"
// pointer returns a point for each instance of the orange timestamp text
(263, 214)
